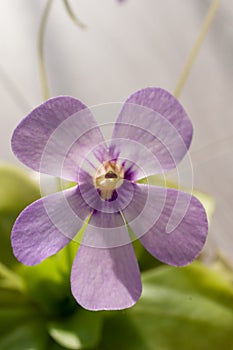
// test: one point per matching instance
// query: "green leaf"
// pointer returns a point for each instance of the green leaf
(9, 279)
(119, 333)
(48, 283)
(17, 189)
(180, 308)
(30, 336)
(12, 317)
(81, 330)
(15, 308)
(9, 297)
(54, 346)
(179, 304)
(6, 254)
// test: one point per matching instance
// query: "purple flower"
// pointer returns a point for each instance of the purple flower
(151, 135)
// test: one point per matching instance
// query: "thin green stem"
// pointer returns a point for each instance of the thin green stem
(42, 68)
(72, 15)
(196, 48)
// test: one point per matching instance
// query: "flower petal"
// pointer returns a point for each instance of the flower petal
(106, 230)
(174, 231)
(47, 225)
(106, 279)
(55, 137)
(154, 119)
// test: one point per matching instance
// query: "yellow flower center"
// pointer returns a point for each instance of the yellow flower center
(108, 178)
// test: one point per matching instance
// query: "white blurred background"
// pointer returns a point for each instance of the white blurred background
(125, 47)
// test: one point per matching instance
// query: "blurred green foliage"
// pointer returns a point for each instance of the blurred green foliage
(180, 308)
(17, 190)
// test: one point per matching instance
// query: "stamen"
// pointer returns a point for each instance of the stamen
(108, 178)
(111, 175)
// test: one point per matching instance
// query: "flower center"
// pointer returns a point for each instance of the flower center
(108, 178)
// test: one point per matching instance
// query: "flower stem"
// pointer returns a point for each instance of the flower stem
(196, 48)
(72, 15)
(42, 68)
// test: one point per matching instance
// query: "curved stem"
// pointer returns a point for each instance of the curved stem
(72, 15)
(196, 48)
(42, 68)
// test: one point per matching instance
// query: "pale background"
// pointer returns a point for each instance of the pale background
(126, 47)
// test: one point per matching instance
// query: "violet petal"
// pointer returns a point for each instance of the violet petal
(106, 230)
(55, 137)
(150, 219)
(154, 119)
(47, 225)
(106, 279)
